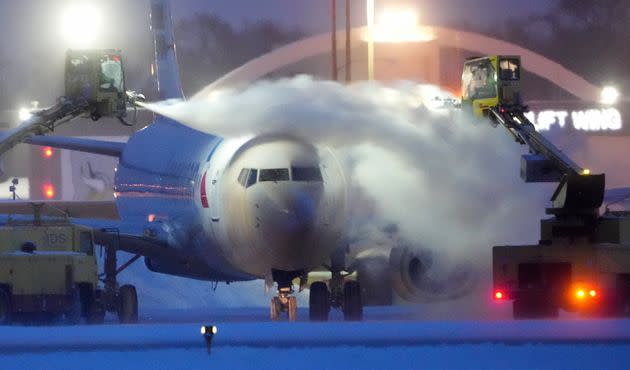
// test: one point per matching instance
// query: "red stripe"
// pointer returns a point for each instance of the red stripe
(204, 197)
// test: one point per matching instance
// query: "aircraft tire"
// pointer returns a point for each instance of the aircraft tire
(292, 308)
(275, 309)
(319, 302)
(128, 305)
(352, 305)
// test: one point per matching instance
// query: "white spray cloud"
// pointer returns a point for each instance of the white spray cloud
(450, 182)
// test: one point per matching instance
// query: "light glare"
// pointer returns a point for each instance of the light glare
(24, 114)
(610, 95)
(48, 152)
(49, 191)
(399, 25)
(81, 25)
(580, 293)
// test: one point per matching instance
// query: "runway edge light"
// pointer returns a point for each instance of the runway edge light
(208, 332)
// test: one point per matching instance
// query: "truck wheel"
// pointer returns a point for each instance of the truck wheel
(128, 305)
(5, 308)
(319, 302)
(352, 305)
(95, 314)
(91, 307)
(534, 308)
(73, 315)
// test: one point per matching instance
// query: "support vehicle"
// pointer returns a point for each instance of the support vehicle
(49, 269)
(582, 260)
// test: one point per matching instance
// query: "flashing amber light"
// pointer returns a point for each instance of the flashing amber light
(498, 295)
(48, 152)
(580, 293)
(49, 191)
(586, 171)
(592, 293)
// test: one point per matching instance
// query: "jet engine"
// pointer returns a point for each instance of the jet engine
(411, 275)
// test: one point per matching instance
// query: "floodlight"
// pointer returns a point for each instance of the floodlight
(24, 114)
(81, 25)
(400, 25)
(609, 95)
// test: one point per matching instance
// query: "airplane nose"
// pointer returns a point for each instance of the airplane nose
(295, 210)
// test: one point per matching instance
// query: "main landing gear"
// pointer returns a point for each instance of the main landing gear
(121, 300)
(343, 294)
(339, 293)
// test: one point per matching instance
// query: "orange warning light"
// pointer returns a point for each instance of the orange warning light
(48, 152)
(580, 293)
(49, 191)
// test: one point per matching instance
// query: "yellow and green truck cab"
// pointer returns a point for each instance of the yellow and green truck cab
(49, 268)
(491, 81)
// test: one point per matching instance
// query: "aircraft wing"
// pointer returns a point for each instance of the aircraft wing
(109, 148)
(103, 217)
(75, 209)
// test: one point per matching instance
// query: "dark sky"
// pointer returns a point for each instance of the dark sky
(313, 14)
(31, 50)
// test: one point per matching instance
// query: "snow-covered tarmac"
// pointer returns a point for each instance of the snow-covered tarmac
(377, 343)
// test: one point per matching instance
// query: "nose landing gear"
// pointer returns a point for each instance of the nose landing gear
(284, 301)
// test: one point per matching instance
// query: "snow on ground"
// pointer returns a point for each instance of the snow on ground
(473, 356)
(386, 340)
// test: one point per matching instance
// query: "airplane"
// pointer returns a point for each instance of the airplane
(270, 207)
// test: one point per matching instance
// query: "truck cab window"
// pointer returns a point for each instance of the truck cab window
(85, 243)
(509, 69)
(112, 75)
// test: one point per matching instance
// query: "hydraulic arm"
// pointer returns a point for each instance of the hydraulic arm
(491, 88)
(94, 87)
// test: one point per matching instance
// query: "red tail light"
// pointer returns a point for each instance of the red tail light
(499, 295)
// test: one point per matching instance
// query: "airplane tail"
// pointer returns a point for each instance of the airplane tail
(166, 68)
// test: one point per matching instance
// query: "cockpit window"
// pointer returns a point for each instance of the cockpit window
(251, 179)
(275, 174)
(306, 174)
(242, 177)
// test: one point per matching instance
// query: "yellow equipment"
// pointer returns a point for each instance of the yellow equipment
(97, 78)
(491, 81)
(48, 269)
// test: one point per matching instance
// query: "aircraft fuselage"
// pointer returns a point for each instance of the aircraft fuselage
(243, 207)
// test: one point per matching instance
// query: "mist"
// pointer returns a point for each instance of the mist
(448, 181)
